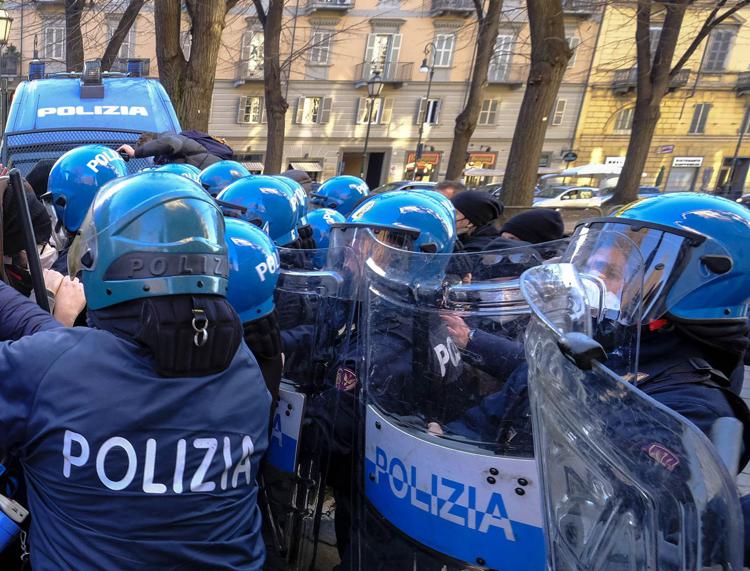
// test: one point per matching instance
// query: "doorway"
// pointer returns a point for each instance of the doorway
(681, 179)
(731, 181)
(351, 164)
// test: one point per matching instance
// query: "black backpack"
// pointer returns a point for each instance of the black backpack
(213, 145)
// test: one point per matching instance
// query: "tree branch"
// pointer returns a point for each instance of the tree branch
(262, 16)
(123, 27)
(710, 23)
(479, 10)
(643, 45)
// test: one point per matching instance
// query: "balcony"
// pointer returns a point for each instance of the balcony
(742, 87)
(248, 70)
(120, 65)
(393, 72)
(625, 80)
(583, 8)
(327, 5)
(507, 74)
(463, 8)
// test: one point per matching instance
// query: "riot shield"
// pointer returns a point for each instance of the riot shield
(626, 482)
(446, 475)
(310, 431)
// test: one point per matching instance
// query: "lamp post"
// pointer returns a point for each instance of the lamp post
(5, 23)
(429, 50)
(374, 87)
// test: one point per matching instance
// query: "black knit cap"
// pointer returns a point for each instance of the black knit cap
(13, 237)
(536, 225)
(478, 207)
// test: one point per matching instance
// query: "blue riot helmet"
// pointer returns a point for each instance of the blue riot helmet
(340, 193)
(147, 235)
(407, 220)
(321, 222)
(267, 203)
(75, 179)
(299, 194)
(696, 256)
(218, 176)
(253, 269)
(188, 171)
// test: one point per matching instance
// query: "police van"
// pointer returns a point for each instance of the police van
(51, 115)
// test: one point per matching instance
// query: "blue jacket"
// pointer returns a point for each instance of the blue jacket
(127, 469)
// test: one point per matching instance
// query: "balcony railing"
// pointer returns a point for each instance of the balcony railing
(249, 70)
(120, 65)
(625, 80)
(579, 7)
(452, 7)
(390, 71)
(507, 74)
(335, 5)
(742, 87)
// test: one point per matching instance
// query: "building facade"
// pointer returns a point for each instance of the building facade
(331, 48)
(699, 136)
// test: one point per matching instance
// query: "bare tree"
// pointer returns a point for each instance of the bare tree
(190, 82)
(654, 76)
(549, 60)
(74, 52)
(466, 121)
(276, 103)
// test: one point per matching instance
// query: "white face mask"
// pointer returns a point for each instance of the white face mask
(47, 256)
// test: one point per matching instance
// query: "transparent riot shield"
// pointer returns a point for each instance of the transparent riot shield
(446, 475)
(310, 433)
(626, 482)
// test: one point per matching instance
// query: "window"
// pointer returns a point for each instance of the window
(624, 120)
(320, 47)
(381, 55)
(251, 52)
(573, 43)
(429, 111)
(251, 110)
(313, 110)
(559, 114)
(54, 40)
(488, 113)
(127, 49)
(381, 113)
(500, 62)
(700, 116)
(654, 34)
(718, 50)
(443, 56)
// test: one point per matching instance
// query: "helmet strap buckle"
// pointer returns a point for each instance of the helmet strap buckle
(200, 326)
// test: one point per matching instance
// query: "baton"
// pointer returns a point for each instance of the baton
(32, 254)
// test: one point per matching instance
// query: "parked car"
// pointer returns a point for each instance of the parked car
(403, 185)
(568, 197)
(495, 190)
(744, 200)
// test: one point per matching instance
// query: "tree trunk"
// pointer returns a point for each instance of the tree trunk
(466, 121)
(652, 85)
(73, 35)
(549, 60)
(276, 104)
(190, 84)
(123, 27)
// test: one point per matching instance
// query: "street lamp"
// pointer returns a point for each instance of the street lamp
(429, 50)
(374, 87)
(5, 24)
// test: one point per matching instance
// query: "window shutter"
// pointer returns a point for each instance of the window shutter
(573, 45)
(421, 109)
(359, 111)
(559, 113)
(387, 112)
(241, 109)
(325, 111)
(300, 110)
(395, 49)
(370, 50)
(438, 105)
(263, 110)
(493, 112)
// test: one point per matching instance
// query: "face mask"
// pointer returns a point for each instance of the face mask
(47, 256)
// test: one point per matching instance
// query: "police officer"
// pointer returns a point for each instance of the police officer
(74, 180)
(218, 176)
(155, 414)
(341, 193)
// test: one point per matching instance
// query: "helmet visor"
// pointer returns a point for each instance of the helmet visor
(675, 262)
